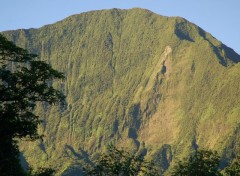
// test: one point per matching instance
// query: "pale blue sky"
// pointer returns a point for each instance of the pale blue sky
(219, 17)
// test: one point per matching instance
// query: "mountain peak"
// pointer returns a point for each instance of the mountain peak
(134, 77)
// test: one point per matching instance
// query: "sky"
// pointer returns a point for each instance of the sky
(221, 18)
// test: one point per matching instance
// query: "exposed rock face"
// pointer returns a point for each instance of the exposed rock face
(154, 84)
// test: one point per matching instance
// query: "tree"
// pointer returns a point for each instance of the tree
(234, 168)
(40, 172)
(24, 81)
(121, 163)
(202, 163)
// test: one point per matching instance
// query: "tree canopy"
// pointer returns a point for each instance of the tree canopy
(234, 168)
(201, 163)
(119, 162)
(24, 81)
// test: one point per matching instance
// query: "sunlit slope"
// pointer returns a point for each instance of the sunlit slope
(157, 85)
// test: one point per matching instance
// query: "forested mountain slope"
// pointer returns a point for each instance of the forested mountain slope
(157, 85)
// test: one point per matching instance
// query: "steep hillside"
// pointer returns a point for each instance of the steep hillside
(157, 85)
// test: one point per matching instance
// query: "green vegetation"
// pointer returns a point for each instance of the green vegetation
(202, 163)
(24, 82)
(119, 162)
(154, 84)
(205, 163)
(40, 172)
(234, 168)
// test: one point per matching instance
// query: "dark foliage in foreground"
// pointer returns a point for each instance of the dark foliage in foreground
(24, 81)
(205, 163)
(121, 163)
(234, 168)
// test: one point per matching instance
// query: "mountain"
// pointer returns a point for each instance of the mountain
(157, 85)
